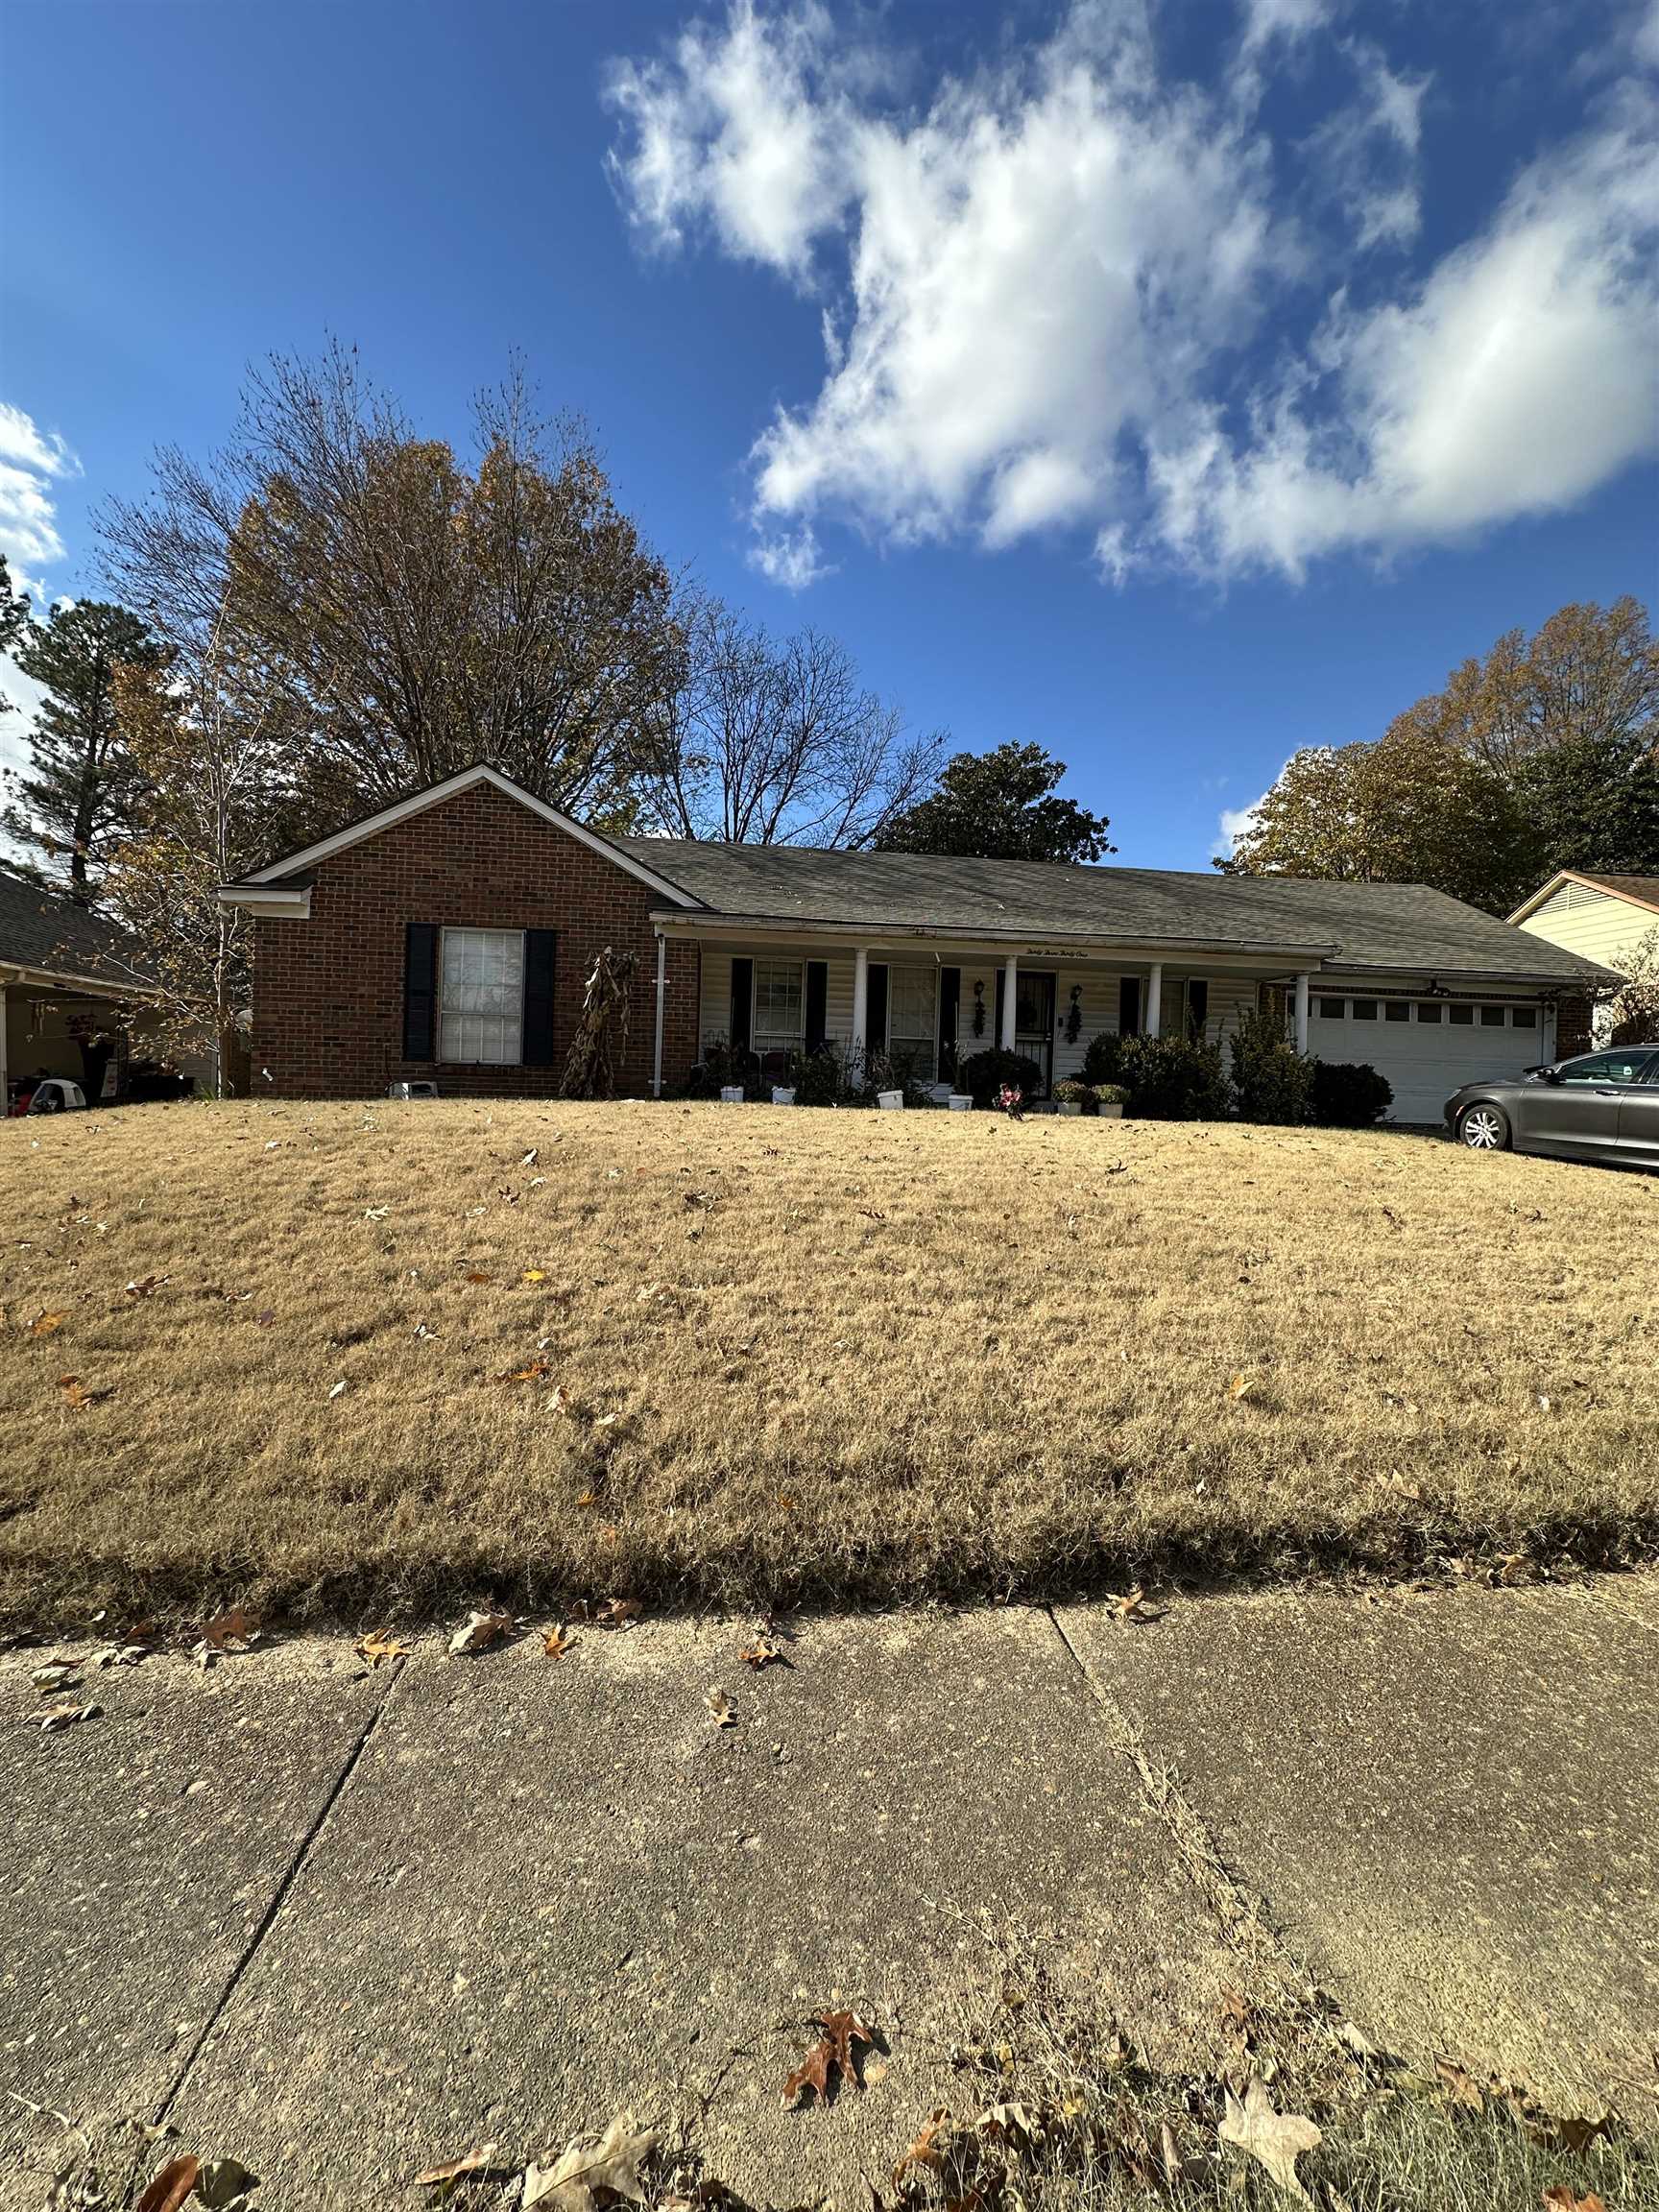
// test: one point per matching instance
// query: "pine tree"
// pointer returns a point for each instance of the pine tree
(73, 801)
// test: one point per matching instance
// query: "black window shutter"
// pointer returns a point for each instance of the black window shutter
(876, 1033)
(1197, 1004)
(1129, 1006)
(420, 991)
(742, 1003)
(949, 1015)
(537, 1051)
(817, 1003)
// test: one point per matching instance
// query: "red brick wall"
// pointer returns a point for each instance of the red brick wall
(1572, 1011)
(328, 993)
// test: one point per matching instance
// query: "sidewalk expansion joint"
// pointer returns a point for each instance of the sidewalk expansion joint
(1239, 1913)
(296, 1866)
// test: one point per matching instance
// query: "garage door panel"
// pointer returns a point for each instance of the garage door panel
(1424, 1060)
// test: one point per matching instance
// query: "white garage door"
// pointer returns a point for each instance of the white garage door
(1425, 1048)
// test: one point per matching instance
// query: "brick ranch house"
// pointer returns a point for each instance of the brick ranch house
(448, 937)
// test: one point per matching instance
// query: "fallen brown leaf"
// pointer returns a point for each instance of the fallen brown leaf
(831, 2058)
(455, 2169)
(168, 2188)
(380, 1647)
(232, 1629)
(43, 1324)
(478, 1631)
(760, 1654)
(1132, 1606)
(1561, 2199)
(79, 1392)
(1240, 1386)
(555, 1643)
(1273, 2139)
(926, 2151)
(587, 2168)
(531, 1373)
(721, 1710)
(52, 1720)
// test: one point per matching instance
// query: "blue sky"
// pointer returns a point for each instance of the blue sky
(1175, 385)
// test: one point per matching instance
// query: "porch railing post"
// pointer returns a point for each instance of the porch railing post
(661, 988)
(1302, 1015)
(1010, 989)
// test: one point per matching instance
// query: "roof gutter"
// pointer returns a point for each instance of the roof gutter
(268, 899)
(61, 978)
(1589, 977)
(709, 924)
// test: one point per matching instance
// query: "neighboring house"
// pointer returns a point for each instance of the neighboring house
(450, 936)
(71, 994)
(1601, 918)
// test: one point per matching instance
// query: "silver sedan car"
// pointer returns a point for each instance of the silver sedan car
(1596, 1106)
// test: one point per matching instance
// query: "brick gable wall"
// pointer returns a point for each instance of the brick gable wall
(328, 993)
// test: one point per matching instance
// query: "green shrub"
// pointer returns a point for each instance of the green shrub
(1271, 1081)
(1173, 1079)
(721, 1066)
(984, 1073)
(1103, 1061)
(1073, 1093)
(820, 1080)
(1349, 1094)
(1111, 1093)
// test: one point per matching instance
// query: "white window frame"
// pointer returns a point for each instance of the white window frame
(497, 1030)
(764, 1039)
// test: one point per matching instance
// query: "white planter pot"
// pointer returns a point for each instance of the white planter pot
(1109, 1112)
(1071, 1107)
(782, 1096)
(730, 1094)
(890, 1101)
(961, 1102)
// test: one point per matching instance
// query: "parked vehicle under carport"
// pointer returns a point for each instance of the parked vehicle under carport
(1595, 1106)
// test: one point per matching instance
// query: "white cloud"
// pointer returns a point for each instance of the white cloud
(31, 459)
(1236, 822)
(731, 131)
(1067, 292)
(1514, 380)
(1288, 19)
(791, 558)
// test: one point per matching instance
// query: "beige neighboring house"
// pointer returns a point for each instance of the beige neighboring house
(1601, 918)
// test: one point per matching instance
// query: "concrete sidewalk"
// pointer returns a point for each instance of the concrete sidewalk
(341, 1925)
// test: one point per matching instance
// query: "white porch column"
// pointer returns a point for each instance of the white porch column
(1010, 989)
(860, 1002)
(1302, 1015)
(662, 988)
(1154, 997)
(2, 1051)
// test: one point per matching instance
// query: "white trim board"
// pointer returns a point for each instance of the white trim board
(405, 809)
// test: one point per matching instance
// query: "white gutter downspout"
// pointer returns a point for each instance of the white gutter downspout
(4, 1096)
(661, 988)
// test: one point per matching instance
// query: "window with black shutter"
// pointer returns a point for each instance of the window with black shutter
(419, 990)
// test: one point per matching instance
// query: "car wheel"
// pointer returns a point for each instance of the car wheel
(1483, 1128)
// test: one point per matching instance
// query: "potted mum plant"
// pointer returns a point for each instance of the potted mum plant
(1110, 1099)
(1071, 1097)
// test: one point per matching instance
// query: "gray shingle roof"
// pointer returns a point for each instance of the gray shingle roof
(1382, 925)
(1643, 887)
(41, 930)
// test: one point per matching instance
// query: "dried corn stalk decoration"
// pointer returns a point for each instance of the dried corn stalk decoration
(601, 1040)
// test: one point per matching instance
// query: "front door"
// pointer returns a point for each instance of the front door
(1034, 1023)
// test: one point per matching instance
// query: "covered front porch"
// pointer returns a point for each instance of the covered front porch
(924, 1007)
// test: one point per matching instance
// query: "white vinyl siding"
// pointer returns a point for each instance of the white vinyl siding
(1597, 925)
(481, 997)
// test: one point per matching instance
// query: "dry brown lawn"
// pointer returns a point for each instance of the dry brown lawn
(705, 1353)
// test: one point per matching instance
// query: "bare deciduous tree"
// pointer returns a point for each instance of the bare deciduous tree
(418, 616)
(779, 743)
